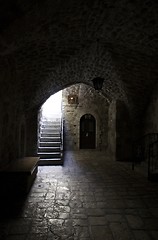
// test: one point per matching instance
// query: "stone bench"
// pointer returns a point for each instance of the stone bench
(18, 176)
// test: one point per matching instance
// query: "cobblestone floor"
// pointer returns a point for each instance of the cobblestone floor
(90, 197)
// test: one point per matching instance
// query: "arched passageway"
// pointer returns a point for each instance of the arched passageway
(50, 131)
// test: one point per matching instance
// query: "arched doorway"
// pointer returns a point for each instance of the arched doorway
(87, 132)
(50, 131)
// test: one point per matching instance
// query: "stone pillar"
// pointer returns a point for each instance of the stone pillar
(112, 131)
(123, 133)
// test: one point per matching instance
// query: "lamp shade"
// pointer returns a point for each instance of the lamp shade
(98, 83)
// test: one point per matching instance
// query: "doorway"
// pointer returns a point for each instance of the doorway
(87, 132)
(50, 139)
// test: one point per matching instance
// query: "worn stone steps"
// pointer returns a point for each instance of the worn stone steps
(51, 134)
(50, 139)
(49, 155)
(49, 144)
(49, 149)
(51, 122)
(50, 161)
(53, 129)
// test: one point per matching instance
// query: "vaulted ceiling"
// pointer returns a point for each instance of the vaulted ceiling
(46, 45)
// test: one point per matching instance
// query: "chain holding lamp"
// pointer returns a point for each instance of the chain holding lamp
(97, 81)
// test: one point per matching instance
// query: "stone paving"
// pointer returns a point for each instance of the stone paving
(89, 198)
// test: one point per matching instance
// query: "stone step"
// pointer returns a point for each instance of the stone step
(50, 124)
(50, 139)
(46, 122)
(51, 117)
(47, 162)
(53, 135)
(48, 149)
(50, 131)
(48, 155)
(49, 144)
(50, 127)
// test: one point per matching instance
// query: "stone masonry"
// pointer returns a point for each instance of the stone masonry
(89, 102)
(46, 46)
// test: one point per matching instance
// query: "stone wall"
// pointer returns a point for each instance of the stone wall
(46, 46)
(11, 113)
(14, 119)
(12, 137)
(89, 101)
(151, 114)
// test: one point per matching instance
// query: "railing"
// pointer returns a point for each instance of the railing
(39, 129)
(61, 137)
(141, 148)
(153, 161)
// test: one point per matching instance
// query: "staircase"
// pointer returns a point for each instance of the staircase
(50, 148)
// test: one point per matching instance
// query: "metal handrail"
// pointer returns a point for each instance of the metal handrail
(39, 128)
(141, 148)
(61, 136)
(153, 159)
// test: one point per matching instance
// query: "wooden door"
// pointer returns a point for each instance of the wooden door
(87, 132)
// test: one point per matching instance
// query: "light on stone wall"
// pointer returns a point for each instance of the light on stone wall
(72, 99)
(98, 83)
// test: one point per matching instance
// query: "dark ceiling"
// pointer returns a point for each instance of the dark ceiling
(52, 44)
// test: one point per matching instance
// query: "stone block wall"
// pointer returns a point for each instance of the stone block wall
(151, 114)
(11, 113)
(15, 121)
(12, 137)
(89, 102)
